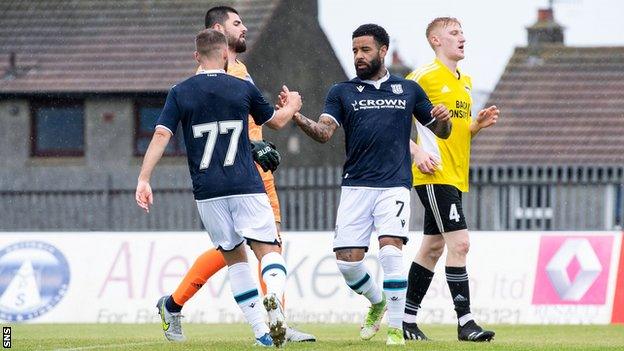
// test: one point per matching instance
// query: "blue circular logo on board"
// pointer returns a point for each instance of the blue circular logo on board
(34, 277)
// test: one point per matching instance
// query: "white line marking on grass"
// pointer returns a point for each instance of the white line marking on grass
(109, 346)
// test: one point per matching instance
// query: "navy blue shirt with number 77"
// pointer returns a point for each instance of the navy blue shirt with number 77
(377, 120)
(213, 108)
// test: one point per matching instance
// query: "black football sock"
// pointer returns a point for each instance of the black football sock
(418, 282)
(457, 279)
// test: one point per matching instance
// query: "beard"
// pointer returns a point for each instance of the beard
(370, 70)
(238, 44)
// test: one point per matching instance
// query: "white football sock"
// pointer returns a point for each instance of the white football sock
(394, 284)
(274, 273)
(245, 292)
(359, 280)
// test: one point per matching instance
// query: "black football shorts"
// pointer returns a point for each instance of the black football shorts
(443, 208)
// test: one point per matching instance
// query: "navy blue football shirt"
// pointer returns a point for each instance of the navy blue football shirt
(377, 119)
(213, 108)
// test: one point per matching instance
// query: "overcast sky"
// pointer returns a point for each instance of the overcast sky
(492, 28)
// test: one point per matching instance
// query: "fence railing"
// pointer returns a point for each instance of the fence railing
(500, 198)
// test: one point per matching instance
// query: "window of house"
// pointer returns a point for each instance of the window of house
(57, 128)
(146, 114)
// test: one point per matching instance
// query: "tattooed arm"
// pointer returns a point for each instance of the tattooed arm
(442, 129)
(441, 125)
(320, 131)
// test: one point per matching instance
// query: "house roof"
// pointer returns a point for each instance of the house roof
(107, 46)
(559, 105)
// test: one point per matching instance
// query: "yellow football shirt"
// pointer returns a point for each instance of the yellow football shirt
(445, 87)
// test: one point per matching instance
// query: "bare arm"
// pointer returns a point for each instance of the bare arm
(291, 104)
(424, 161)
(281, 118)
(153, 154)
(441, 127)
(320, 131)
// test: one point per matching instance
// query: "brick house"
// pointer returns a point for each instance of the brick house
(82, 82)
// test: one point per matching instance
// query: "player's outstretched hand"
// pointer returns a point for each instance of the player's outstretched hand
(487, 117)
(265, 154)
(143, 195)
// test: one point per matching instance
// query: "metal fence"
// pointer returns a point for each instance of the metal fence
(72, 199)
(500, 198)
(545, 198)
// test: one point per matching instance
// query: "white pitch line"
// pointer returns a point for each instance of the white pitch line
(109, 346)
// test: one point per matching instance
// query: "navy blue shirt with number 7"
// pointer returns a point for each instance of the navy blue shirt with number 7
(377, 120)
(213, 108)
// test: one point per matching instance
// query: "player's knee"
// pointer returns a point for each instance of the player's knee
(434, 250)
(260, 249)
(237, 255)
(460, 248)
(350, 255)
(391, 241)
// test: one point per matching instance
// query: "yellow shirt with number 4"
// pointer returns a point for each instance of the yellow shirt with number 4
(453, 91)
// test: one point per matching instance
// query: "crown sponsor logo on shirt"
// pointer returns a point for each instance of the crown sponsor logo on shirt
(397, 88)
(379, 104)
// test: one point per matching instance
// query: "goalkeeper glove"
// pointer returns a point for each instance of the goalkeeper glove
(265, 154)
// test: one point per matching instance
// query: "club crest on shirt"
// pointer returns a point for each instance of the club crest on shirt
(397, 88)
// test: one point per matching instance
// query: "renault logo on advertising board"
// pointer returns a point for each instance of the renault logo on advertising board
(572, 270)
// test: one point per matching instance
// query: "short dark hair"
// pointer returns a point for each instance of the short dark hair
(377, 32)
(218, 14)
(208, 41)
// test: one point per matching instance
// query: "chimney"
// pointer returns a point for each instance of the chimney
(12, 59)
(397, 67)
(11, 72)
(545, 31)
(396, 59)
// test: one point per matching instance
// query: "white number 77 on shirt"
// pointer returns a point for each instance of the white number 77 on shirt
(211, 129)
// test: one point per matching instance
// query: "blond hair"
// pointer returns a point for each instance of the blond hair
(439, 22)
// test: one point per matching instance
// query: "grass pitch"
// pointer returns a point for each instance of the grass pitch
(341, 337)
